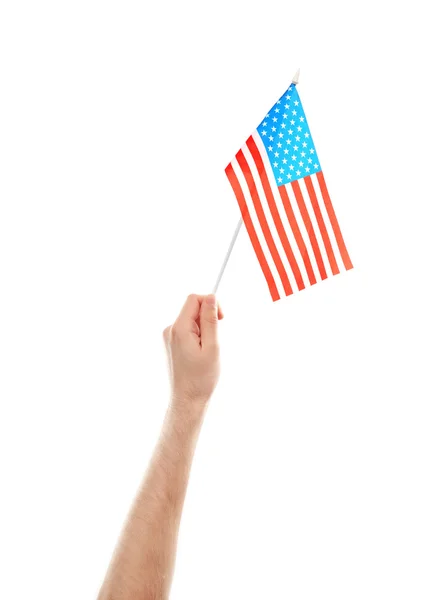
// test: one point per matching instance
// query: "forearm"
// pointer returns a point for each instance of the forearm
(143, 563)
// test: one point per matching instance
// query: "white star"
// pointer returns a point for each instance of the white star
(288, 97)
(285, 116)
(270, 148)
(310, 160)
(276, 110)
(301, 164)
(296, 148)
(267, 116)
(280, 179)
(264, 124)
(290, 131)
(286, 151)
(293, 157)
(273, 129)
(298, 139)
(301, 119)
(307, 169)
(278, 102)
(283, 125)
(287, 106)
(275, 119)
(276, 154)
(293, 112)
(316, 165)
(302, 153)
(307, 135)
(271, 138)
(291, 167)
(275, 164)
(312, 151)
(299, 128)
(285, 161)
(292, 121)
(298, 172)
(264, 132)
(281, 170)
(296, 103)
(304, 144)
(289, 175)
(281, 135)
(279, 145)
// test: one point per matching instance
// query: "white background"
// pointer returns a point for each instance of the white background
(319, 471)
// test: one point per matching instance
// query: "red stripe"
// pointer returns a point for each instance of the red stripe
(297, 233)
(309, 227)
(251, 232)
(322, 227)
(251, 144)
(263, 221)
(334, 222)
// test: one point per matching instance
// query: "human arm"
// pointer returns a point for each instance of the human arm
(143, 562)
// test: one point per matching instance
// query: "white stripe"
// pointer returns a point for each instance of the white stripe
(316, 229)
(303, 230)
(281, 209)
(257, 227)
(328, 224)
(268, 216)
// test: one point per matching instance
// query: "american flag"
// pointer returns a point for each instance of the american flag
(286, 208)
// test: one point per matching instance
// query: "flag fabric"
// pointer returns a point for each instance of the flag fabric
(285, 205)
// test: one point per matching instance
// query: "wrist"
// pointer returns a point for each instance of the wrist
(189, 396)
(188, 408)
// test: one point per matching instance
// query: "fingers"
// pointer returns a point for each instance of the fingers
(208, 321)
(190, 312)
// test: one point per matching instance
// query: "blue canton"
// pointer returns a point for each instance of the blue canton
(287, 138)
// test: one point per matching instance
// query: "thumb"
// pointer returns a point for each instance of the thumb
(208, 321)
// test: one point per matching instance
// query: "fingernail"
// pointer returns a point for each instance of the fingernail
(211, 300)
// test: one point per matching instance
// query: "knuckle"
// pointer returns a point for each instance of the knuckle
(212, 318)
(174, 331)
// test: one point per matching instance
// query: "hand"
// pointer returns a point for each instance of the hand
(193, 350)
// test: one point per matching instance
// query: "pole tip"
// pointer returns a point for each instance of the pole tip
(296, 77)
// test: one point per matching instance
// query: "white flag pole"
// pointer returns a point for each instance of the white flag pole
(227, 256)
(295, 80)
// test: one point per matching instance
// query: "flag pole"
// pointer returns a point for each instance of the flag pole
(295, 80)
(227, 256)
